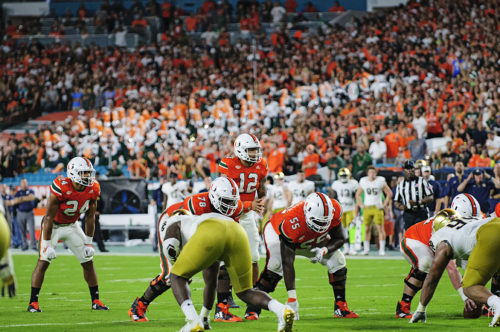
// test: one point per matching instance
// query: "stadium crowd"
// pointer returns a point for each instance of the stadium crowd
(370, 92)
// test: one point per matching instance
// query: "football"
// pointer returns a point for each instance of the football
(476, 313)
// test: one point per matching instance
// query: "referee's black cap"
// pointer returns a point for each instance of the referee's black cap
(409, 164)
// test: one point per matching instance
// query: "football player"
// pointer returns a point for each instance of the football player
(455, 238)
(416, 250)
(300, 188)
(173, 191)
(311, 228)
(346, 188)
(280, 195)
(198, 243)
(223, 197)
(373, 209)
(70, 196)
(249, 171)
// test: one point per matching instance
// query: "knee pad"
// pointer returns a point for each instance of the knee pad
(158, 285)
(417, 274)
(338, 278)
(223, 275)
(268, 281)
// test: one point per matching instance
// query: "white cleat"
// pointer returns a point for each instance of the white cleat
(285, 320)
(495, 322)
(193, 326)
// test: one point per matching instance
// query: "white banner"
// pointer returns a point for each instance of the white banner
(26, 8)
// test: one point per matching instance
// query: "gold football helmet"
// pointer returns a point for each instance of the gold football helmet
(443, 218)
(344, 174)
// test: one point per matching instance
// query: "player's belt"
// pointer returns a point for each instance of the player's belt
(61, 224)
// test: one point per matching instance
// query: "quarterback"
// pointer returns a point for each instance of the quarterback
(310, 228)
(69, 197)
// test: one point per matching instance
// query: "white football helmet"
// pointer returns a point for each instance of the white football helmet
(467, 206)
(245, 142)
(224, 195)
(81, 171)
(318, 210)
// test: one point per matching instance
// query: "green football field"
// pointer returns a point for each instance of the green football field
(373, 288)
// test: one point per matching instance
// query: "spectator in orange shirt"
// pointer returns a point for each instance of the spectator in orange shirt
(336, 8)
(310, 163)
(276, 159)
(310, 8)
(191, 23)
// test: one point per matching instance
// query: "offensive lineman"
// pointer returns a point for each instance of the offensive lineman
(456, 238)
(310, 228)
(223, 197)
(203, 241)
(70, 196)
(346, 188)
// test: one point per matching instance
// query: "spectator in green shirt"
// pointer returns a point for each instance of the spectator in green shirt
(114, 171)
(361, 160)
(335, 162)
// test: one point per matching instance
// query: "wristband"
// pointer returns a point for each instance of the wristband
(421, 308)
(247, 205)
(88, 239)
(462, 294)
(292, 294)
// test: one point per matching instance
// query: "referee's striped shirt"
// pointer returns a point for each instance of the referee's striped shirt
(413, 190)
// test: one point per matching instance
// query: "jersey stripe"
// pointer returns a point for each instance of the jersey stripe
(222, 164)
(56, 189)
(88, 162)
(233, 185)
(474, 211)
(190, 205)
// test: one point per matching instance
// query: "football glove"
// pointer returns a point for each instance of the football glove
(294, 304)
(318, 254)
(88, 251)
(11, 286)
(50, 252)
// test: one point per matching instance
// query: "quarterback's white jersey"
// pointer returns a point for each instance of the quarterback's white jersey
(460, 236)
(300, 190)
(373, 191)
(175, 193)
(278, 194)
(189, 224)
(346, 193)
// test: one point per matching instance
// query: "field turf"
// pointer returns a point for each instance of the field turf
(373, 289)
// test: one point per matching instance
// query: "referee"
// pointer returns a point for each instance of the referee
(412, 196)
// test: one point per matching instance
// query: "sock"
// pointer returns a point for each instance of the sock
(382, 246)
(339, 294)
(94, 293)
(189, 310)
(143, 300)
(34, 294)
(367, 245)
(223, 297)
(204, 312)
(407, 298)
(275, 306)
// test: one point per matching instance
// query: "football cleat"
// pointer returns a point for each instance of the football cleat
(285, 320)
(222, 314)
(403, 310)
(138, 311)
(251, 315)
(34, 307)
(495, 322)
(342, 311)
(98, 305)
(487, 312)
(232, 304)
(192, 326)
(206, 323)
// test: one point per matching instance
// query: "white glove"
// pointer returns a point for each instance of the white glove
(294, 304)
(47, 249)
(88, 251)
(319, 253)
(419, 314)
